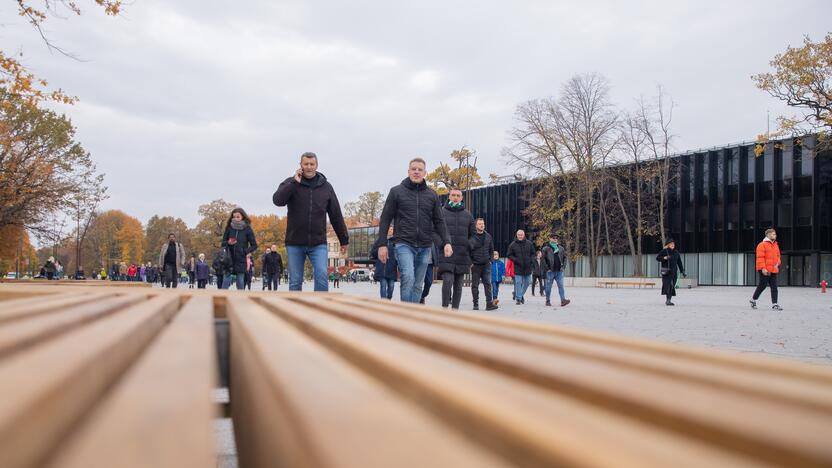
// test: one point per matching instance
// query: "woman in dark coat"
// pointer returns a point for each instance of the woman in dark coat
(239, 238)
(453, 269)
(670, 266)
(201, 272)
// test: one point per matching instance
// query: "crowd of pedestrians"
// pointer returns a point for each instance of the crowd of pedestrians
(419, 238)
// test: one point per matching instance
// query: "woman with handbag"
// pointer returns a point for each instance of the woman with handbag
(670, 266)
(240, 242)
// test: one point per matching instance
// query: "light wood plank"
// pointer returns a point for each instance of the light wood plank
(160, 413)
(48, 389)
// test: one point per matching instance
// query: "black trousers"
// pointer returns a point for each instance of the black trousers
(171, 277)
(481, 273)
(200, 283)
(452, 281)
(538, 280)
(428, 282)
(219, 281)
(771, 282)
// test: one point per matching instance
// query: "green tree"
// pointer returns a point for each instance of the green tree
(156, 234)
(366, 209)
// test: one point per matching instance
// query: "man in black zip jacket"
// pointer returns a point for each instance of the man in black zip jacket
(481, 246)
(416, 212)
(309, 198)
(521, 252)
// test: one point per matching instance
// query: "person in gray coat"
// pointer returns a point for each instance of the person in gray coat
(171, 257)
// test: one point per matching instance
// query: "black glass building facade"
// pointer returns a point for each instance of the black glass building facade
(720, 204)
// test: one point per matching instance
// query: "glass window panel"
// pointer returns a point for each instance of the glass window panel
(705, 273)
(720, 268)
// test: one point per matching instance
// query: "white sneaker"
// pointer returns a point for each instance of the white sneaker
(776, 307)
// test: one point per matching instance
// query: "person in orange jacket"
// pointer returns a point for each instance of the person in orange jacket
(768, 265)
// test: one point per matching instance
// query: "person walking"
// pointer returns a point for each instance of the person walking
(59, 269)
(385, 273)
(132, 271)
(554, 262)
(429, 273)
(453, 269)
(510, 274)
(481, 245)
(191, 272)
(310, 198)
(201, 271)
(171, 257)
(249, 276)
(498, 272)
(49, 268)
(122, 272)
(521, 253)
(272, 267)
(336, 278)
(538, 272)
(768, 266)
(240, 241)
(219, 269)
(671, 266)
(416, 211)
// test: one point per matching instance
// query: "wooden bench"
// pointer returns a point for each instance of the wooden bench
(616, 284)
(88, 282)
(337, 381)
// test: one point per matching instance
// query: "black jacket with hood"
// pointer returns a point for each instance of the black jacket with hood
(461, 228)
(309, 201)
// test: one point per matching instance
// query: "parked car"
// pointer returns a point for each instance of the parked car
(360, 274)
(11, 275)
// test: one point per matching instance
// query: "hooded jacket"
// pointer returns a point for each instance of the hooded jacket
(309, 202)
(416, 212)
(461, 228)
(768, 256)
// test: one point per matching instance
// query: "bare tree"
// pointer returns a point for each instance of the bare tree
(655, 118)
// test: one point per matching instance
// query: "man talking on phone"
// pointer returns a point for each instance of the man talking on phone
(309, 198)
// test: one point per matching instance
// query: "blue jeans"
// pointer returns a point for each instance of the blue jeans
(386, 287)
(413, 263)
(521, 284)
(552, 276)
(241, 281)
(317, 257)
(495, 289)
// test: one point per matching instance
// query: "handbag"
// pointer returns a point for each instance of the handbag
(225, 258)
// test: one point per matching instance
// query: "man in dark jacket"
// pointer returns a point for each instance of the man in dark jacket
(453, 269)
(521, 253)
(272, 268)
(171, 257)
(538, 272)
(310, 198)
(219, 269)
(481, 246)
(416, 211)
(554, 262)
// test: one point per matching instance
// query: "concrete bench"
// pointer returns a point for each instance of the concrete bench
(341, 381)
(635, 284)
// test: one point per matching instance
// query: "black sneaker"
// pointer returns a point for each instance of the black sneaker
(518, 302)
(776, 307)
(753, 303)
(476, 307)
(668, 303)
(513, 296)
(523, 300)
(548, 303)
(491, 306)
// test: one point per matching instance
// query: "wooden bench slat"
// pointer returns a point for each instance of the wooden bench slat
(651, 397)
(16, 309)
(46, 390)
(160, 414)
(526, 424)
(295, 403)
(18, 335)
(795, 369)
(745, 381)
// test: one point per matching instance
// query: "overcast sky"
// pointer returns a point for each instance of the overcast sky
(186, 101)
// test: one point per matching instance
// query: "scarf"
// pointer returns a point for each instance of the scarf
(454, 204)
(554, 247)
(238, 225)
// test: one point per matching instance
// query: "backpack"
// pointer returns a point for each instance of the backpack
(225, 258)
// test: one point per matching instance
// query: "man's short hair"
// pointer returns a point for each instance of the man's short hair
(418, 160)
(455, 189)
(479, 219)
(309, 155)
(171, 234)
(770, 230)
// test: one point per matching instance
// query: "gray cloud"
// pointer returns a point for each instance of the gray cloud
(185, 102)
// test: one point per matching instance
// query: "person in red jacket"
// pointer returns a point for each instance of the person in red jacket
(510, 274)
(768, 265)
